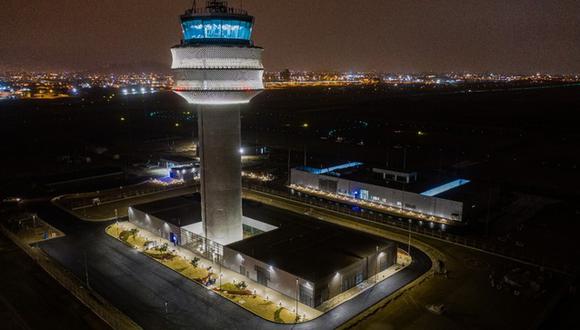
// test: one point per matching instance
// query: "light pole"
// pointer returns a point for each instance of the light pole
(221, 274)
(297, 296)
(377, 267)
(86, 271)
(409, 247)
(117, 220)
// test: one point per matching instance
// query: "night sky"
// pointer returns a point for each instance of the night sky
(371, 35)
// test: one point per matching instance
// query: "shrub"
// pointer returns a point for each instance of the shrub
(124, 235)
(134, 232)
(195, 262)
(277, 317)
(241, 285)
(228, 287)
(163, 248)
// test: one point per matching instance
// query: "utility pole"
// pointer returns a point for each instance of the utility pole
(377, 267)
(296, 309)
(409, 247)
(289, 178)
(86, 271)
(220, 275)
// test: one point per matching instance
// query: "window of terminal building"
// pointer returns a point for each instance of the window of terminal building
(306, 295)
(263, 276)
(364, 194)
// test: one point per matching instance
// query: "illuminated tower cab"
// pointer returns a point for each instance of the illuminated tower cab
(217, 68)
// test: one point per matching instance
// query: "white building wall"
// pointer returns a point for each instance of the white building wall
(153, 224)
(435, 206)
(280, 280)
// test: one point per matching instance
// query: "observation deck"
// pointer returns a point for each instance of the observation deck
(217, 62)
(216, 23)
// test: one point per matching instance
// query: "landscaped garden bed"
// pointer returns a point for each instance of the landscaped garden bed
(193, 269)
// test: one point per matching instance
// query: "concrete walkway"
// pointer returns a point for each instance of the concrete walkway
(306, 312)
(360, 288)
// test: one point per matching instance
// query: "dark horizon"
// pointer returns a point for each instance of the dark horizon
(522, 36)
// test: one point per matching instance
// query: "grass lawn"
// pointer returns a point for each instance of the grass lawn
(466, 293)
(266, 309)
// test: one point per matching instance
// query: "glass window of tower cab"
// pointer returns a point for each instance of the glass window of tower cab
(216, 22)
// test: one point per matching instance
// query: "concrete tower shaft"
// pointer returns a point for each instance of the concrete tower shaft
(221, 185)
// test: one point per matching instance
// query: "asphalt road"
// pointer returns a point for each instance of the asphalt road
(31, 299)
(140, 287)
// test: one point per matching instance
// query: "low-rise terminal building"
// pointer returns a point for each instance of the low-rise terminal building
(302, 258)
(425, 197)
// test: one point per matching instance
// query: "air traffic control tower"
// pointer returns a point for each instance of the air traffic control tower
(217, 68)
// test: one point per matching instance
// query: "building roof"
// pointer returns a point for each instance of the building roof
(305, 247)
(180, 211)
(428, 183)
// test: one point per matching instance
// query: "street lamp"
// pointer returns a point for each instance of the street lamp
(297, 296)
(377, 266)
(409, 247)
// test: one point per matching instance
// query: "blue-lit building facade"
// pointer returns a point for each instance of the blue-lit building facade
(434, 199)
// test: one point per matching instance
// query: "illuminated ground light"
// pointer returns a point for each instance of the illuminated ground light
(367, 204)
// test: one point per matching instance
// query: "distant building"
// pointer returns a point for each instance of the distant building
(254, 152)
(286, 75)
(171, 161)
(424, 197)
(186, 172)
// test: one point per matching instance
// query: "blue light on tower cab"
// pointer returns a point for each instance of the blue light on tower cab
(445, 187)
(212, 28)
